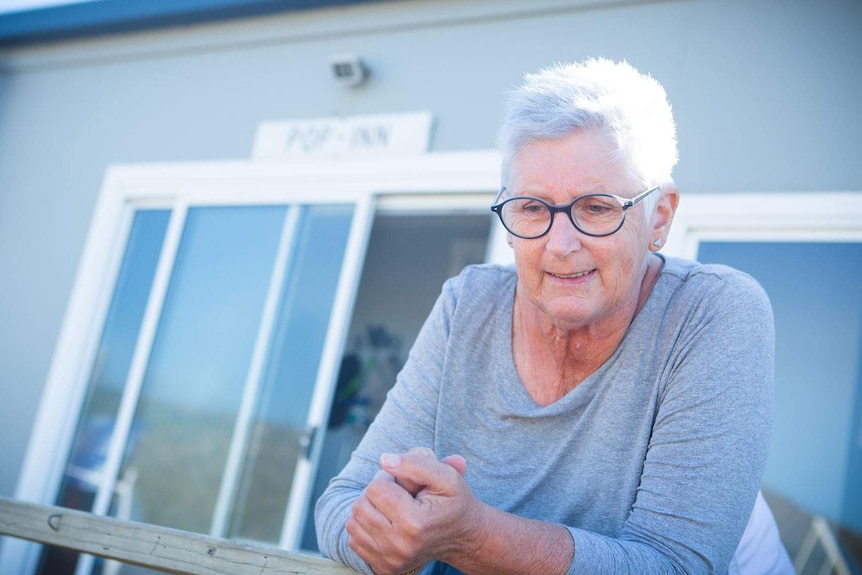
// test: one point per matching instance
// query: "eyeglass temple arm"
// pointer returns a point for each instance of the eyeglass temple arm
(629, 203)
(498, 196)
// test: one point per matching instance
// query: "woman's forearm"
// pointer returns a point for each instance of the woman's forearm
(507, 544)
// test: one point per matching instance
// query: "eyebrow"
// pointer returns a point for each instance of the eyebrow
(542, 194)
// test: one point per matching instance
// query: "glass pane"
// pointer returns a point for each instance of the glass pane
(194, 381)
(109, 372)
(291, 372)
(815, 459)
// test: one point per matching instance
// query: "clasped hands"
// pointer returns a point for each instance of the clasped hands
(416, 509)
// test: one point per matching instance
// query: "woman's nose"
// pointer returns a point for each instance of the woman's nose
(563, 237)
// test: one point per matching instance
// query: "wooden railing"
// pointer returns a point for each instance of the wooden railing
(160, 548)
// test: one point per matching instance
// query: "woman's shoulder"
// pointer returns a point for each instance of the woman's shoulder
(478, 279)
(687, 280)
(685, 272)
(479, 290)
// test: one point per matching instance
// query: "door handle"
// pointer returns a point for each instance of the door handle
(306, 441)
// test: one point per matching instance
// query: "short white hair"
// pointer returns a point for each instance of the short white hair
(628, 107)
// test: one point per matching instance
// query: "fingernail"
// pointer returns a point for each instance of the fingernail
(390, 460)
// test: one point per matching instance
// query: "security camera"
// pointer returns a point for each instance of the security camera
(347, 69)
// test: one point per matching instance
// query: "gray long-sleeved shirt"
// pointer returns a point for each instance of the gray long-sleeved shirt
(653, 462)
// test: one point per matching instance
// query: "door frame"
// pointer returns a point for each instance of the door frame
(782, 218)
(770, 217)
(462, 177)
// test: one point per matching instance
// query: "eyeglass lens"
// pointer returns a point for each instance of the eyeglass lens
(597, 214)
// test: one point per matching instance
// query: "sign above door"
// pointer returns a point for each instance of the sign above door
(344, 137)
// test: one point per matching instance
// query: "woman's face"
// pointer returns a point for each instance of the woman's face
(574, 279)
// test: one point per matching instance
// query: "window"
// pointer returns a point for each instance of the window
(193, 380)
(818, 369)
(806, 251)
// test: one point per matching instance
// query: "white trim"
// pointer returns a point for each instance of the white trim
(323, 181)
(324, 386)
(437, 177)
(140, 360)
(137, 372)
(436, 204)
(785, 217)
(69, 373)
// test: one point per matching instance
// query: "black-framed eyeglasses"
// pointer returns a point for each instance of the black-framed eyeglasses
(596, 215)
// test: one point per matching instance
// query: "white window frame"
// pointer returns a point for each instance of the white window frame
(767, 217)
(790, 218)
(460, 180)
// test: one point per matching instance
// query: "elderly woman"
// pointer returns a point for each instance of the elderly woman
(597, 408)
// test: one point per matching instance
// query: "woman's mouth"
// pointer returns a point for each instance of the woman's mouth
(571, 276)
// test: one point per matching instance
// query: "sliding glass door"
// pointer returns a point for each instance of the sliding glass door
(197, 414)
(197, 363)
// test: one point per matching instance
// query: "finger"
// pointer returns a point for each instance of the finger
(412, 487)
(366, 546)
(366, 514)
(380, 561)
(457, 462)
(359, 539)
(374, 538)
(421, 468)
(409, 486)
(425, 452)
(382, 475)
(364, 510)
(387, 495)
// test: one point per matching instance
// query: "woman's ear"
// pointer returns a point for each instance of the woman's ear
(509, 239)
(663, 217)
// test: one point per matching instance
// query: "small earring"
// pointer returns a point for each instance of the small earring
(657, 242)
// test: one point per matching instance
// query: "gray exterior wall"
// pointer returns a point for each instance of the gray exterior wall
(766, 95)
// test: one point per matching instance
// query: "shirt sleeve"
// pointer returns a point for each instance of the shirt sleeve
(406, 420)
(710, 438)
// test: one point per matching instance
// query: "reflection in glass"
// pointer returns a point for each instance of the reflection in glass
(291, 372)
(188, 409)
(109, 372)
(194, 381)
(815, 458)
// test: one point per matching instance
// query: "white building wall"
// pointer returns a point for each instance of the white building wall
(766, 95)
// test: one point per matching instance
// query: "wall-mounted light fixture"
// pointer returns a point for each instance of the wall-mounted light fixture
(348, 69)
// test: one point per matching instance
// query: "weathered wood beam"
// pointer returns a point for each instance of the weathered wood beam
(161, 548)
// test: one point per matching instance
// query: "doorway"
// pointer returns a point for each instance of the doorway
(409, 257)
(175, 255)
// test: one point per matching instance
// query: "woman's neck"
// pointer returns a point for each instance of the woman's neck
(551, 361)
